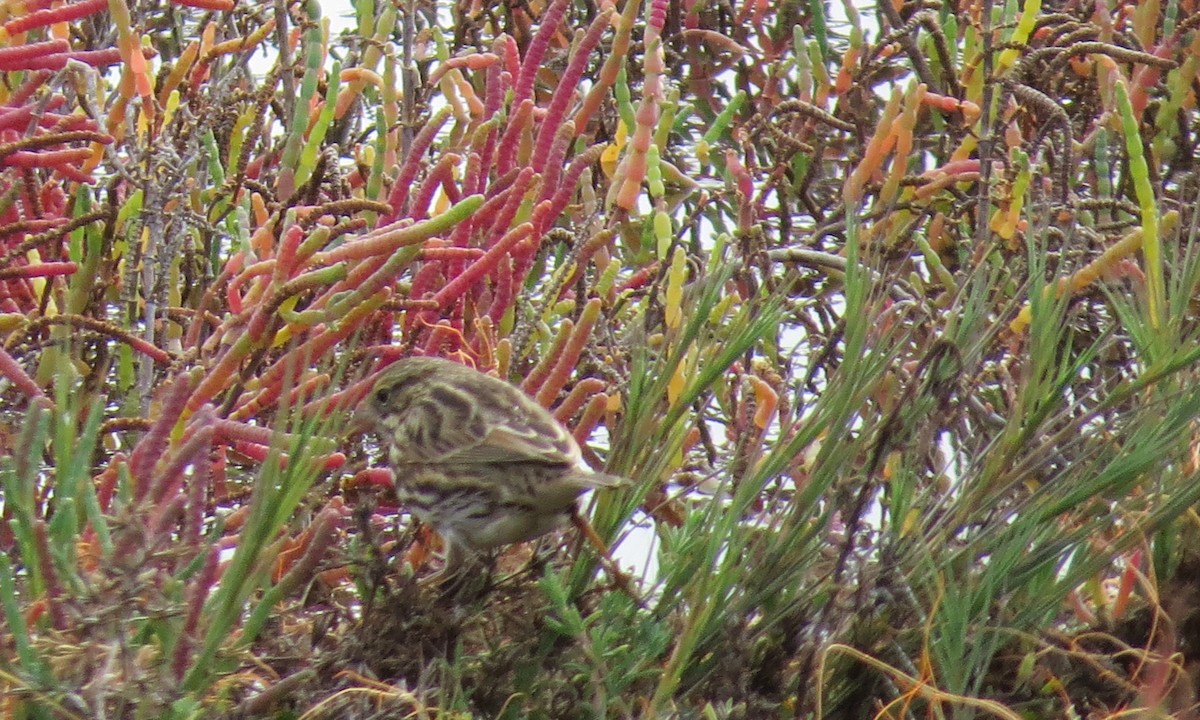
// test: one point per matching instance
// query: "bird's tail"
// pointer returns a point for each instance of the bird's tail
(605, 480)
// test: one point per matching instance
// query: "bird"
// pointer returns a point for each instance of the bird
(474, 457)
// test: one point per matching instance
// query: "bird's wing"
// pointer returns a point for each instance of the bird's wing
(496, 423)
(519, 434)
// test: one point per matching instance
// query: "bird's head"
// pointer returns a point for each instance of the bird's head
(395, 390)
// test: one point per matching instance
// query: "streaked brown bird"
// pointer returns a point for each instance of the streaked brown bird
(474, 456)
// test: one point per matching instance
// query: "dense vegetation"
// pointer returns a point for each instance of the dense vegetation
(889, 317)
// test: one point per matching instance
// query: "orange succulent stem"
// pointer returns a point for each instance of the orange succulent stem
(579, 395)
(621, 579)
(569, 357)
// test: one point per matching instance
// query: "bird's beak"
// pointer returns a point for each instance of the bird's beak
(360, 421)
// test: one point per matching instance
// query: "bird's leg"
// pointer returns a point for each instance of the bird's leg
(459, 564)
(455, 559)
(536, 563)
(620, 578)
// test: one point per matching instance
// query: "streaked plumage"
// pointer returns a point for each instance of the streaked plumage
(474, 456)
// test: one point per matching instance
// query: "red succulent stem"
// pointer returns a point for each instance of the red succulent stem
(445, 254)
(516, 194)
(553, 164)
(641, 278)
(234, 429)
(569, 358)
(49, 269)
(423, 283)
(350, 397)
(511, 55)
(34, 82)
(566, 89)
(18, 118)
(15, 57)
(384, 277)
(323, 341)
(498, 81)
(474, 181)
(506, 153)
(408, 172)
(219, 375)
(484, 265)
(233, 266)
(537, 50)
(38, 143)
(502, 291)
(320, 537)
(566, 189)
(443, 339)
(260, 453)
(96, 58)
(220, 489)
(536, 377)
(11, 369)
(64, 13)
(354, 279)
(387, 242)
(231, 430)
(591, 417)
(106, 481)
(474, 61)
(74, 174)
(617, 56)
(285, 256)
(442, 175)
(197, 495)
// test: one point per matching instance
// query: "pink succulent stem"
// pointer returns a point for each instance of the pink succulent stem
(285, 258)
(197, 593)
(474, 61)
(49, 572)
(451, 253)
(18, 118)
(97, 58)
(149, 450)
(168, 482)
(388, 242)
(323, 341)
(536, 377)
(197, 495)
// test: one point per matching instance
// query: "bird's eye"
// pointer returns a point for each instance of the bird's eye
(381, 396)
